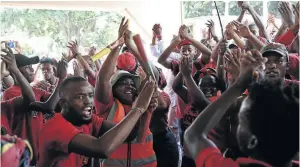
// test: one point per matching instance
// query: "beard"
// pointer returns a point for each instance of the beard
(73, 113)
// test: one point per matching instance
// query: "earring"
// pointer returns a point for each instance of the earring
(253, 142)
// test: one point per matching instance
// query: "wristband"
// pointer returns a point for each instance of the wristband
(140, 110)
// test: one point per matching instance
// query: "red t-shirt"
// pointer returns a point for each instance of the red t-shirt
(212, 157)
(15, 91)
(55, 138)
(17, 120)
(7, 110)
(102, 110)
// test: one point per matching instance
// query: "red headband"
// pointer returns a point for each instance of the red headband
(184, 42)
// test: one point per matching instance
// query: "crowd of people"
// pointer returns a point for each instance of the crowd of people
(220, 102)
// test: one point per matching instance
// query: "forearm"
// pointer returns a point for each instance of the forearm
(220, 71)
(213, 113)
(178, 82)
(86, 66)
(259, 23)
(214, 52)
(118, 134)
(26, 89)
(133, 134)
(53, 100)
(241, 16)
(109, 65)
(239, 42)
(200, 46)
(256, 42)
(180, 89)
(162, 59)
(98, 65)
(195, 93)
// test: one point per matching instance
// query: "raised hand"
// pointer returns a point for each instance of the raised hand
(186, 66)
(143, 100)
(122, 28)
(211, 27)
(184, 32)
(68, 57)
(286, 13)
(271, 19)
(233, 62)
(244, 5)
(242, 29)
(230, 28)
(62, 69)
(77, 70)
(9, 59)
(73, 46)
(252, 63)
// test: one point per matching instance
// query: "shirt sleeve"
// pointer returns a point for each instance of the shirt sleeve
(7, 112)
(62, 136)
(97, 123)
(212, 157)
(102, 110)
(294, 63)
(286, 38)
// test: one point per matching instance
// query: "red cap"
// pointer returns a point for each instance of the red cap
(126, 61)
(184, 42)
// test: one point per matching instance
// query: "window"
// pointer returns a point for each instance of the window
(194, 9)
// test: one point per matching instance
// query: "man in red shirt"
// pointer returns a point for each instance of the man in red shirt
(79, 137)
(276, 68)
(15, 117)
(259, 135)
(24, 64)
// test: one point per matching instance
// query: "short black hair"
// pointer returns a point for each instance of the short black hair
(68, 81)
(46, 60)
(274, 119)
